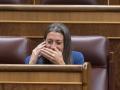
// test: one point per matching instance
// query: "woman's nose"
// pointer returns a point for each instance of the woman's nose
(53, 45)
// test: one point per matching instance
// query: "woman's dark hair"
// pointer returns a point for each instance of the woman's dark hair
(61, 28)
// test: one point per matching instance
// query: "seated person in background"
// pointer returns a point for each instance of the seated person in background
(56, 48)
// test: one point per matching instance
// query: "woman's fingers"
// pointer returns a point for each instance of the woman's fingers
(48, 55)
(47, 52)
(41, 45)
(36, 51)
(53, 55)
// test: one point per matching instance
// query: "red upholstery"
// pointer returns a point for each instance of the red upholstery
(95, 51)
(13, 50)
(72, 2)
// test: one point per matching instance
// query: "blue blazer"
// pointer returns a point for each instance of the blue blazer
(77, 58)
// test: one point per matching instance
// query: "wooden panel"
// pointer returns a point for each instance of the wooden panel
(38, 28)
(38, 1)
(58, 13)
(102, 2)
(115, 46)
(48, 77)
(27, 1)
(60, 16)
(43, 77)
(40, 87)
(114, 2)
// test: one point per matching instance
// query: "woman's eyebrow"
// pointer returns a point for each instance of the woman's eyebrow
(59, 40)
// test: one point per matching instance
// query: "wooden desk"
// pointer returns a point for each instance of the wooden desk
(44, 77)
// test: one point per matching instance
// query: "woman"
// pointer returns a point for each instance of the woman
(56, 48)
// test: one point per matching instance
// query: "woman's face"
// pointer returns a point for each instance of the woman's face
(55, 40)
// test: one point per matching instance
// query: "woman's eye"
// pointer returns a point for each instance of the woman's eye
(49, 42)
(59, 43)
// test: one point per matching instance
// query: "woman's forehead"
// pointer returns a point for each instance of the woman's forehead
(54, 35)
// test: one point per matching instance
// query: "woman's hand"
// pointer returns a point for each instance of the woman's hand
(54, 56)
(36, 53)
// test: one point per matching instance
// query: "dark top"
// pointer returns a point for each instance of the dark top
(77, 58)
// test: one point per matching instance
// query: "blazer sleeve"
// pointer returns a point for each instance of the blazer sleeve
(77, 57)
(27, 59)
